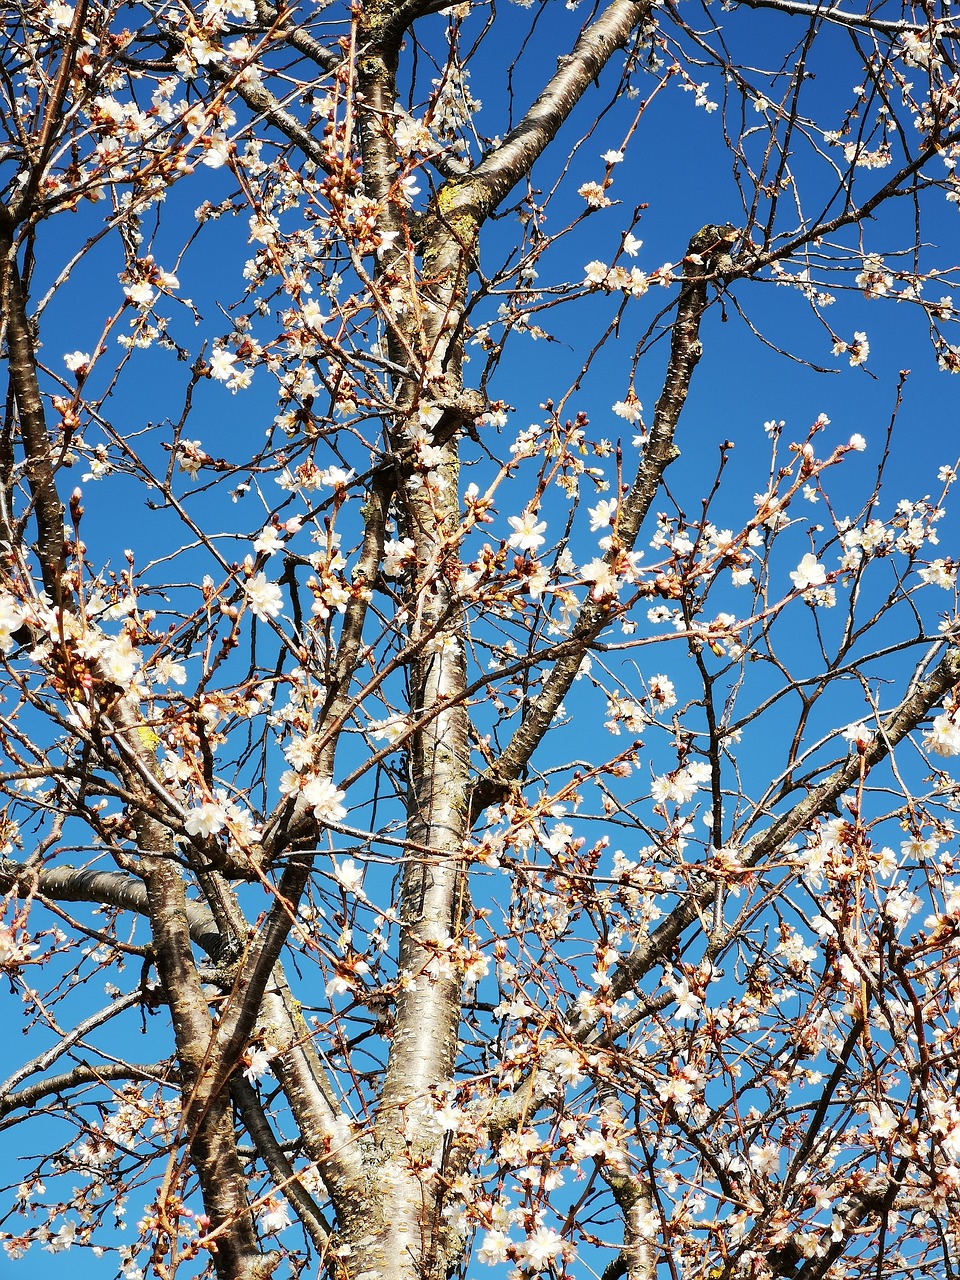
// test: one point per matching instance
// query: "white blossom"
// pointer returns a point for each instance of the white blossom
(604, 580)
(527, 532)
(883, 1122)
(663, 695)
(808, 573)
(15, 949)
(257, 1059)
(274, 1216)
(765, 1159)
(688, 1002)
(388, 730)
(943, 737)
(594, 195)
(140, 294)
(493, 1247)
(324, 798)
(601, 516)
(920, 848)
(939, 573)
(205, 821)
(11, 619)
(264, 597)
(859, 736)
(396, 556)
(348, 874)
(221, 364)
(630, 409)
(859, 349)
(335, 477)
(540, 1248)
(268, 541)
(61, 1240)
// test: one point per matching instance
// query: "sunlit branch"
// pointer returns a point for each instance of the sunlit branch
(278, 1164)
(861, 21)
(38, 467)
(503, 167)
(658, 452)
(84, 1074)
(67, 1041)
(922, 698)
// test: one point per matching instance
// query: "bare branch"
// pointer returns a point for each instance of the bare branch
(503, 167)
(659, 451)
(68, 1082)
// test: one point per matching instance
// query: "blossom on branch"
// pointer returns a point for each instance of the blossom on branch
(808, 573)
(264, 597)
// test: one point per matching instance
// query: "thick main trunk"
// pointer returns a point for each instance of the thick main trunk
(425, 1041)
(405, 1240)
(406, 1237)
(207, 1116)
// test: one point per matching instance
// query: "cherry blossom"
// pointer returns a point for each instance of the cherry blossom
(274, 1216)
(206, 820)
(428, 840)
(527, 532)
(349, 874)
(264, 597)
(809, 573)
(594, 195)
(324, 798)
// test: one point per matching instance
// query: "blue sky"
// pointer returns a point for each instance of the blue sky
(679, 167)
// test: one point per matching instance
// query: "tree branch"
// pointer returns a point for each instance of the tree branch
(923, 696)
(278, 1165)
(501, 169)
(659, 451)
(828, 14)
(66, 1042)
(80, 1075)
(38, 466)
(105, 888)
(328, 1138)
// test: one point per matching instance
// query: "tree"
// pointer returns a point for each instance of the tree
(439, 917)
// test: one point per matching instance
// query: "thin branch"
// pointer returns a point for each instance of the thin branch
(66, 1042)
(924, 696)
(658, 453)
(828, 14)
(503, 167)
(278, 1164)
(81, 1075)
